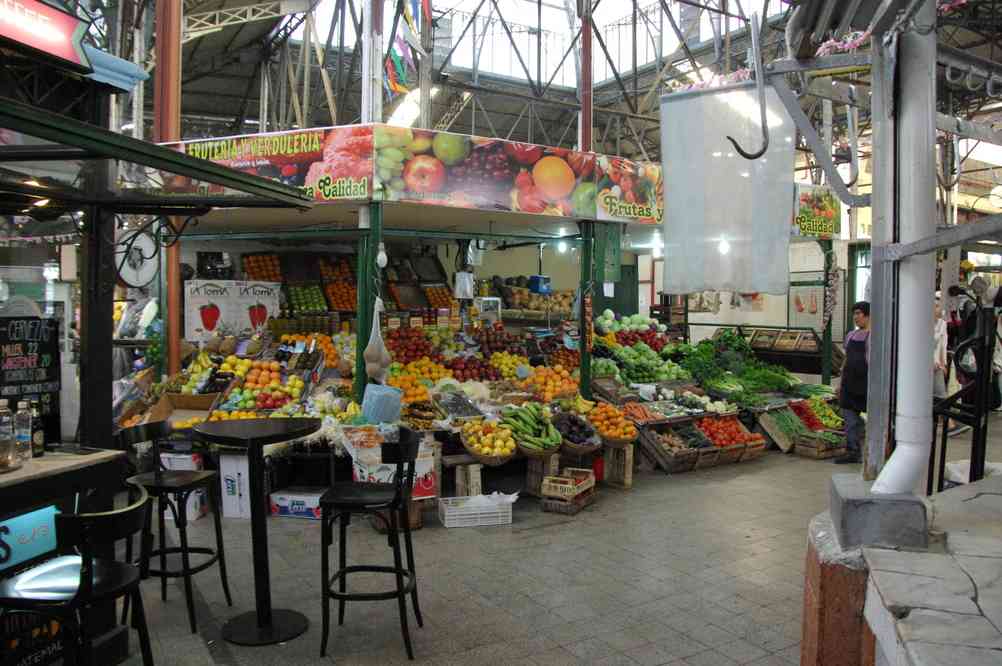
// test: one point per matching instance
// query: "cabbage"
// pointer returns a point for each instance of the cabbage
(662, 328)
(608, 314)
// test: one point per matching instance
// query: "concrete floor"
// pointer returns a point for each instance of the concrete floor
(704, 569)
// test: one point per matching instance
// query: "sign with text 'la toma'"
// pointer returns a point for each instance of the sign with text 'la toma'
(45, 28)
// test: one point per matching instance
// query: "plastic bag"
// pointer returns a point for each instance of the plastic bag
(381, 404)
(377, 358)
(465, 287)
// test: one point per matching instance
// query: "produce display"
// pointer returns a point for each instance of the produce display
(342, 295)
(264, 374)
(238, 366)
(828, 417)
(692, 436)
(271, 396)
(727, 431)
(706, 404)
(409, 344)
(421, 415)
(204, 376)
(806, 414)
(307, 298)
(495, 339)
(439, 297)
(188, 423)
(415, 390)
(611, 423)
(472, 368)
(576, 405)
(642, 365)
(508, 364)
(558, 301)
(794, 427)
(336, 269)
(573, 428)
(607, 322)
(264, 267)
(605, 367)
(532, 427)
(640, 414)
(220, 415)
(568, 358)
(675, 441)
(421, 369)
(487, 438)
(549, 383)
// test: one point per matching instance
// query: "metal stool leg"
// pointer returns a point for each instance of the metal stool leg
(162, 508)
(139, 622)
(409, 549)
(342, 549)
(181, 500)
(216, 509)
(401, 594)
(325, 577)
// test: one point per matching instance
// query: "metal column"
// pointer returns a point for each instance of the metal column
(826, 335)
(167, 127)
(584, 321)
(880, 386)
(368, 287)
(916, 219)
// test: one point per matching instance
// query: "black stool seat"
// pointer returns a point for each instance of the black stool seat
(58, 580)
(171, 488)
(359, 496)
(344, 499)
(174, 480)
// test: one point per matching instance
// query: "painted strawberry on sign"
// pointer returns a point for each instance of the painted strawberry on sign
(258, 315)
(210, 316)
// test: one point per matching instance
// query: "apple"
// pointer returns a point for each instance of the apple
(450, 148)
(422, 142)
(424, 173)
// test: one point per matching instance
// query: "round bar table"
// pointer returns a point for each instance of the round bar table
(264, 625)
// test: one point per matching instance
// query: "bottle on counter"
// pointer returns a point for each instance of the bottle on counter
(9, 460)
(22, 430)
(37, 431)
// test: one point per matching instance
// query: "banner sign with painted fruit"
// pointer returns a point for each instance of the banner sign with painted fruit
(228, 307)
(461, 171)
(629, 191)
(328, 163)
(818, 212)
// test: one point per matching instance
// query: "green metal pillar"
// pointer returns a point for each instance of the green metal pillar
(584, 321)
(826, 337)
(368, 288)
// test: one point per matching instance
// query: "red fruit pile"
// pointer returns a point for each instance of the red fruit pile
(271, 400)
(654, 340)
(494, 338)
(410, 344)
(726, 431)
(807, 415)
(472, 368)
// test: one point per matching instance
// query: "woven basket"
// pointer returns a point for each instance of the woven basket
(583, 449)
(490, 461)
(533, 453)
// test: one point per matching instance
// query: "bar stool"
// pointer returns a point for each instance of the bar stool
(171, 488)
(64, 587)
(340, 502)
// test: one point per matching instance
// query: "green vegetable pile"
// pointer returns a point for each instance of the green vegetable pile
(531, 426)
(793, 427)
(643, 365)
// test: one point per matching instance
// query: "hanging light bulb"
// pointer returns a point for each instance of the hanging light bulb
(381, 257)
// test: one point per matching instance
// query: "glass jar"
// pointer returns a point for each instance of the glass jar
(9, 459)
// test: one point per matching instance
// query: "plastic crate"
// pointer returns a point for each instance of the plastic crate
(453, 512)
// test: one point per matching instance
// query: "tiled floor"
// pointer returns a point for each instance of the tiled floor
(700, 569)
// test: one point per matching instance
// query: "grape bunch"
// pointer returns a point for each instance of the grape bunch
(486, 168)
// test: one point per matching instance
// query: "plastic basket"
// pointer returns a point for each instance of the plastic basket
(455, 512)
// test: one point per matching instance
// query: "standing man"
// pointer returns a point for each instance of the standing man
(852, 388)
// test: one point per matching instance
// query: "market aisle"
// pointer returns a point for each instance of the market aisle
(702, 568)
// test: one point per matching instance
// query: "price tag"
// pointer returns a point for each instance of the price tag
(417, 322)
(393, 323)
(443, 322)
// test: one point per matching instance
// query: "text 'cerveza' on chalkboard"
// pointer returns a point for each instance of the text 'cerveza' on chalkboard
(30, 367)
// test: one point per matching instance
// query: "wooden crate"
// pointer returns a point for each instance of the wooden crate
(731, 454)
(754, 452)
(813, 447)
(671, 461)
(708, 457)
(571, 506)
(619, 467)
(571, 482)
(768, 423)
(536, 470)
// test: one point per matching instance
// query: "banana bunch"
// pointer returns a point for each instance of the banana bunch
(577, 405)
(531, 426)
(350, 412)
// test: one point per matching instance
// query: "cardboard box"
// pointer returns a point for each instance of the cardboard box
(235, 482)
(197, 505)
(297, 502)
(367, 466)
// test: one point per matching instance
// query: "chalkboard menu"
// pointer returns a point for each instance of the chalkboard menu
(30, 367)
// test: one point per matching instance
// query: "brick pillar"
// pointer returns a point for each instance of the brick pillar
(834, 631)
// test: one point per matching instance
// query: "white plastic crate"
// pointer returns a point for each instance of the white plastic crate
(454, 512)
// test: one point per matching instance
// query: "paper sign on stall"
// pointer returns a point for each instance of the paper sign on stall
(228, 307)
